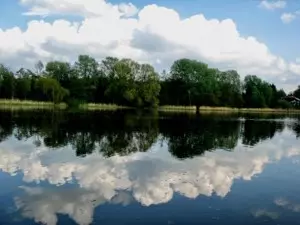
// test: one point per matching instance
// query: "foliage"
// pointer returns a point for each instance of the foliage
(129, 83)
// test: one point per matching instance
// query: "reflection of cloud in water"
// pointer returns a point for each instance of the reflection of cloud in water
(284, 203)
(265, 213)
(151, 178)
(42, 205)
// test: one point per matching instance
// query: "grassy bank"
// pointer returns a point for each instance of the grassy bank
(171, 108)
(27, 104)
(192, 109)
(95, 106)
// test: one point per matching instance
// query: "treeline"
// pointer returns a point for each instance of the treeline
(126, 82)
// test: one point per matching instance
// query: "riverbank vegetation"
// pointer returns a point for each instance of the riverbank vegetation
(114, 83)
(216, 109)
(28, 104)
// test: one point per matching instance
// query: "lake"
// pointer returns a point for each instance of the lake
(132, 167)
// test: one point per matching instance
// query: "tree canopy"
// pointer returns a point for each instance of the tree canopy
(126, 82)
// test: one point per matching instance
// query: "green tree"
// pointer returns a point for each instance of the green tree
(195, 83)
(254, 96)
(230, 88)
(39, 67)
(7, 82)
(52, 89)
(148, 86)
(59, 71)
(23, 86)
(86, 66)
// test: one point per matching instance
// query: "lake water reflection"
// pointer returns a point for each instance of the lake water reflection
(145, 168)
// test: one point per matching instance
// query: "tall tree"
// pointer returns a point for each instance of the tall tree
(59, 71)
(52, 89)
(7, 82)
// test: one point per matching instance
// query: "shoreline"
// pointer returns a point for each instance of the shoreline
(29, 104)
(208, 109)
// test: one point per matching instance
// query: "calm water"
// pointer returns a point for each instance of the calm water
(142, 168)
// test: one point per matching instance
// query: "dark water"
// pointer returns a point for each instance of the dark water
(143, 168)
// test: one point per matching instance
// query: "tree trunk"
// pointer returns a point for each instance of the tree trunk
(197, 109)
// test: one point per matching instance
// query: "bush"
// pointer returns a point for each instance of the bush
(284, 104)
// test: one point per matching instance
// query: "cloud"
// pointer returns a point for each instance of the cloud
(287, 17)
(85, 8)
(153, 34)
(128, 10)
(295, 67)
(287, 204)
(43, 204)
(149, 178)
(271, 5)
(265, 213)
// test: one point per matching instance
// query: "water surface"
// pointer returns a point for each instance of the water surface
(148, 168)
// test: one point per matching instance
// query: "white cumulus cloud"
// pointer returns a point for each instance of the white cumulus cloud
(85, 8)
(287, 17)
(271, 5)
(152, 34)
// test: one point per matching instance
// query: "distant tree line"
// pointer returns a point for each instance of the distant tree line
(126, 82)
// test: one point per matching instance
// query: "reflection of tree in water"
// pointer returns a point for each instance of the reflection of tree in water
(110, 133)
(126, 143)
(123, 133)
(259, 130)
(6, 128)
(191, 137)
(137, 134)
(296, 127)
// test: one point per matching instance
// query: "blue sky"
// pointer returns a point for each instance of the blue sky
(265, 25)
(214, 39)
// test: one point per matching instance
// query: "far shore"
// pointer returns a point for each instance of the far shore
(28, 104)
(204, 109)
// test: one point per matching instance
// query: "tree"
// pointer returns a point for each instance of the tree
(148, 86)
(59, 71)
(23, 86)
(122, 86)
(195, 82)
(39, 66)
(7, 82)
(86, 66)
(254, 96)
(52, 89)
(230, 88)
(127, 82)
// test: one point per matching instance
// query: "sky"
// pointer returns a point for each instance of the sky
(257, 37)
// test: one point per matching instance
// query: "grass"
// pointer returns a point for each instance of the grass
(205, 109)
(28, 104)
(99, 106)
(172, 108)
